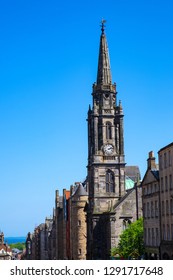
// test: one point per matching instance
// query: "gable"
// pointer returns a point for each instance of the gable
(148, 178)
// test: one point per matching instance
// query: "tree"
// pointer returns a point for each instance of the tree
(19, 246)
(131, 244)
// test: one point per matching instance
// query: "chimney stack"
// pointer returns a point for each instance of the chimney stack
(151, 161)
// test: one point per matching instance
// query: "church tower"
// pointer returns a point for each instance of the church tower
(106, 162)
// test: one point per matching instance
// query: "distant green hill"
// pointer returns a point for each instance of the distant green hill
(19, 246)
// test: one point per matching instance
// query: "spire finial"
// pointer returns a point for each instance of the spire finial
(103, 72)
(103, 25)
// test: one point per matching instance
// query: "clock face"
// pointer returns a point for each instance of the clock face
(108, 149)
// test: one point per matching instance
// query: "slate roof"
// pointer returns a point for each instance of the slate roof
(80, 191)
(155, 173)
(133, 172)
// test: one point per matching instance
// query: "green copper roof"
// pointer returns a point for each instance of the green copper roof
(129, 183)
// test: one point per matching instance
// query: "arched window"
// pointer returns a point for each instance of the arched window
(110, 184)
(108, 130)
(126, 223)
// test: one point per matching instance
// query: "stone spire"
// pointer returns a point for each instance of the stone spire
(104, 71)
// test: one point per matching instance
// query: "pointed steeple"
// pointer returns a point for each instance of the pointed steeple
(104, 71)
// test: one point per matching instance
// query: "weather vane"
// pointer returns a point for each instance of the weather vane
(103, 25)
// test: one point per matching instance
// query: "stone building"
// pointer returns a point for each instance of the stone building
(157, 200)
(166, 200)
(39, 244)
(78, 227)
(71, 223)
(5, 251)
(106, 210)
(62, 225)
(90, 217)
(59, 226)
(151, 209)
(50, 241)
(71, 218)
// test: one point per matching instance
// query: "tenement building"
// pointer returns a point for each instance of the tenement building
(151, 209)
(70, 221)
(166, 200)
(110, 206)
(157, 201)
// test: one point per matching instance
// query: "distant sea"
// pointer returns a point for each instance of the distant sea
(11, 240)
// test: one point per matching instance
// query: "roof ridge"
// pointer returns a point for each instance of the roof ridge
(124, 197)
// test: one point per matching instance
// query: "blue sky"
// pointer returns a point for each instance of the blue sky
(48, 63)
